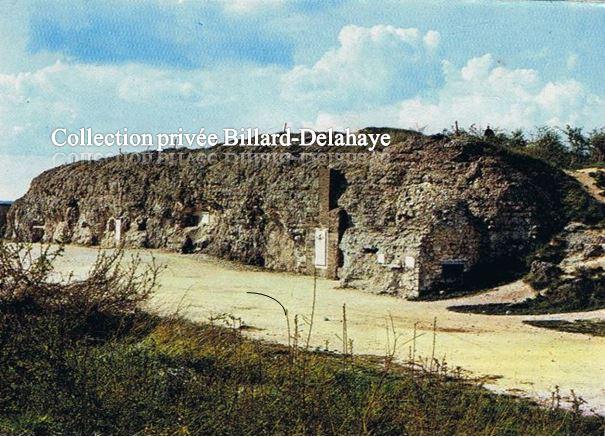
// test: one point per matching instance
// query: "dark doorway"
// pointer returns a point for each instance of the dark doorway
(452, 272)
(187, 246)
(189, 219)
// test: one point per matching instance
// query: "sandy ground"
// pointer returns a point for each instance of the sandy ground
(588, 182)
(521, 358)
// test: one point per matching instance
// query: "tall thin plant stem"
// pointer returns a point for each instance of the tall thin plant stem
(312, 307)
(285, 314)
(434, 343)
(344, 329)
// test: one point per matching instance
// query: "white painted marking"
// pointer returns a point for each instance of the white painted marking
(118, 233)
(321, 247)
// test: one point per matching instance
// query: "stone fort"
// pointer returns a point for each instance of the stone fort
(425, 215)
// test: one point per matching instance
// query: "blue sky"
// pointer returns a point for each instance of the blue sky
(160, 65)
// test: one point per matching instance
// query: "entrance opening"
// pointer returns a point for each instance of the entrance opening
(369, 249)
(189, 220)
(187, 246)
(452, 272)
(37, 233)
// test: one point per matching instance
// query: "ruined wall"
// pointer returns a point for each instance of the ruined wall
(454, 240)
(392, 217)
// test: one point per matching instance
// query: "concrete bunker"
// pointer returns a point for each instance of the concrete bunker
(450, 249)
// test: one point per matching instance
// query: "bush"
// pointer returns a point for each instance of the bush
(46, 323)
(30, 291)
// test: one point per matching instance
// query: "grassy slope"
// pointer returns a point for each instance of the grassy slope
(599, 177)
(174, 377)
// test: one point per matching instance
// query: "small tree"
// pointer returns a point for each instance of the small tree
(548, 146)
(597, 145)
(579, 145)
(516, 140)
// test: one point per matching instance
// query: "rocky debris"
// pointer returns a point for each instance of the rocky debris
(570, 265)
(593, 251)
(582, 243)
(542, 274)
(426, 213)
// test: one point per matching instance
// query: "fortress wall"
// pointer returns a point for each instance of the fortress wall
(392, 218)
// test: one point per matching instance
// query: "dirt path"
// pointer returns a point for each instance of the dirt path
(524, 358)
(588, 182)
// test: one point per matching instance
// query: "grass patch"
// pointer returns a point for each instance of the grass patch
(84, 358)
(590, 327)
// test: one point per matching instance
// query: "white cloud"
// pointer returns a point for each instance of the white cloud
(105, 97)
(482, 93)
(386, 116)
(432, 38)
(249, 6)
(371, 65)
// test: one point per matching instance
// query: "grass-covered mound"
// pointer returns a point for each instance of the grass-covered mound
(82, 357)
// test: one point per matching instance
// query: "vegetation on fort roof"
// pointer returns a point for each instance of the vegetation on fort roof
(83, 357)
(566, 148)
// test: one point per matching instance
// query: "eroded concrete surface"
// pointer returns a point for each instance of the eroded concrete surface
(525, 359)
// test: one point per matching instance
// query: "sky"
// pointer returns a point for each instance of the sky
(157, 66)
